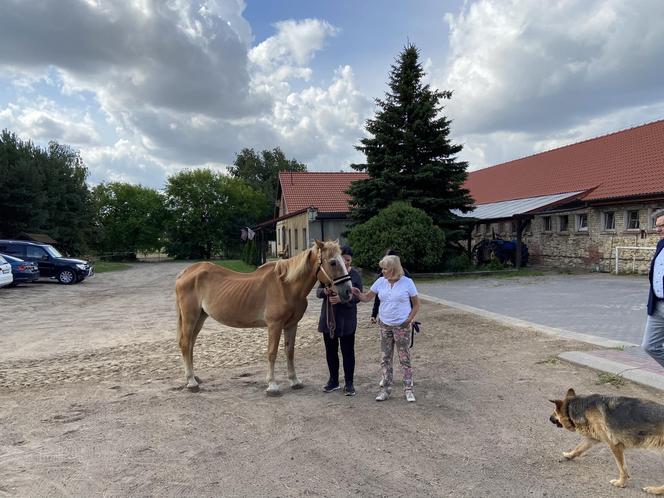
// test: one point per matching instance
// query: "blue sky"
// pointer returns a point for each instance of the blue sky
(146, 88)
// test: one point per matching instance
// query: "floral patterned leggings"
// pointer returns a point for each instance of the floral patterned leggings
(389, 336)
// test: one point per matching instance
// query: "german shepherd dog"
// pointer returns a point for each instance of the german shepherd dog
(617, 421)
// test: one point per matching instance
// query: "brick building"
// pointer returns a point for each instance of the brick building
(576, 206)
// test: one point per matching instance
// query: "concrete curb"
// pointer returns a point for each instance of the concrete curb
(634, 374)
(515, 322)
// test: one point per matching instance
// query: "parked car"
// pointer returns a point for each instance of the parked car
(51, 263)
(6, 277)
(22, 271)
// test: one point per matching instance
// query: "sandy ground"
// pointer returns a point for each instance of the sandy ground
(91, 404)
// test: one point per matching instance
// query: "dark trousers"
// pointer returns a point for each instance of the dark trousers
(347, 352)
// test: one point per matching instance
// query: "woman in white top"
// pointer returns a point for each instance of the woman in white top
(395, 315)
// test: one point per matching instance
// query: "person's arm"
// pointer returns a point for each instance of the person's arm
(364, 296)
(415, 302)
(321, 292)
(374, 311)
(356, 281)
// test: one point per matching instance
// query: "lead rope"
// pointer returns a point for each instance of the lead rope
(331, 321)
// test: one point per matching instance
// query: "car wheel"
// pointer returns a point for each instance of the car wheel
(67, 276)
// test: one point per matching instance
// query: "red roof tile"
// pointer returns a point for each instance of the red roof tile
(623, 164)
(326, 191)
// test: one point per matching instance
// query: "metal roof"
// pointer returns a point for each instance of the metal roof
(508, 209)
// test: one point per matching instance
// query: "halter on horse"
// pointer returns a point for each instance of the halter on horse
(274, 296)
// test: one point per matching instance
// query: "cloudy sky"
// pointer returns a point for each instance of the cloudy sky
(145, 88)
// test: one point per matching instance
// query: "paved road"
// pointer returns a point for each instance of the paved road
(607, 306)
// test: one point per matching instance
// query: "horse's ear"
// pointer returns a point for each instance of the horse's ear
(320, 244)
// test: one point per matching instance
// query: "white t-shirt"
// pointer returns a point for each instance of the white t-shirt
(394, 299)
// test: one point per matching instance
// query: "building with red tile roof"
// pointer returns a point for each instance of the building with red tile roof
(312, 205)
(575, 204)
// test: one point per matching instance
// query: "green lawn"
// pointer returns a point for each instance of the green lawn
(235, 265)
(104, 266)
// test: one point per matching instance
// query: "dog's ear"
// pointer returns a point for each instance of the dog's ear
(558, 403)
(570, 393)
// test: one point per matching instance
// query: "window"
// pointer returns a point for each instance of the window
(564, 223)
(546, 221)
(582, 222)
(33, 252)
(305, 242)
(632, 220)
(513, 226)
(296, 239)
(609, 220)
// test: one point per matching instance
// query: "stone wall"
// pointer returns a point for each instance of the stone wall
(587, 243)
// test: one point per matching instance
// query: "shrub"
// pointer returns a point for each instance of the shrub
(458, 263)
(407, 230)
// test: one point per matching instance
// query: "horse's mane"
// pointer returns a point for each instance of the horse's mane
(294, 268)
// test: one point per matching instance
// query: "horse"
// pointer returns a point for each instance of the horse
(273, 296)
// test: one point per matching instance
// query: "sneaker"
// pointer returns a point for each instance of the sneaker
(349, 390)
(331, 386)
(382, 395)
(410, 396)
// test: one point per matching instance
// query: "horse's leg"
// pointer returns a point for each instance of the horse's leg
(289, 345)
(190, 321)
(194, 335)
(273, 337)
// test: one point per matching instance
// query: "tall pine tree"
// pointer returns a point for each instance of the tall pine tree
(409, 156)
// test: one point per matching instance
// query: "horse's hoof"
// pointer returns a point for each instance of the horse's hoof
(193, 389)
(198, 379)
(297, 385)
(272, 392)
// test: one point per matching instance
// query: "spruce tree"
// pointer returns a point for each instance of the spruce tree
(409, 156)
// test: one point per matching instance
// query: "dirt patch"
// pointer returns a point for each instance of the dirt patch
(91, 403)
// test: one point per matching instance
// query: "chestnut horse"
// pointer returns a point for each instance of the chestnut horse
(273, 296)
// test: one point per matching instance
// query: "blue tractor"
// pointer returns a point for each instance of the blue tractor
(501, 250)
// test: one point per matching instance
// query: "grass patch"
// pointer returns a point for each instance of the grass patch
(551, 360)
(235, 265)
(104, 266)
(609, 378)
(619, 348)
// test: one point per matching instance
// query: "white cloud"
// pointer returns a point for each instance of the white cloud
(522, 70)
(44, 119)
(178, 83)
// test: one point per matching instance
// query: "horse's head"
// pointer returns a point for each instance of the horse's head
(332, 269)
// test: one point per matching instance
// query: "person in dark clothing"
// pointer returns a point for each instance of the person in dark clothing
(339, 329)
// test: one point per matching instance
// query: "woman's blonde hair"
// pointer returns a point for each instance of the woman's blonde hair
(392, 263)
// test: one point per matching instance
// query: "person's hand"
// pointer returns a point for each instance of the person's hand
(334, 299)
(406, 324)
(326, 291)
(373, 320)
(356, 291)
